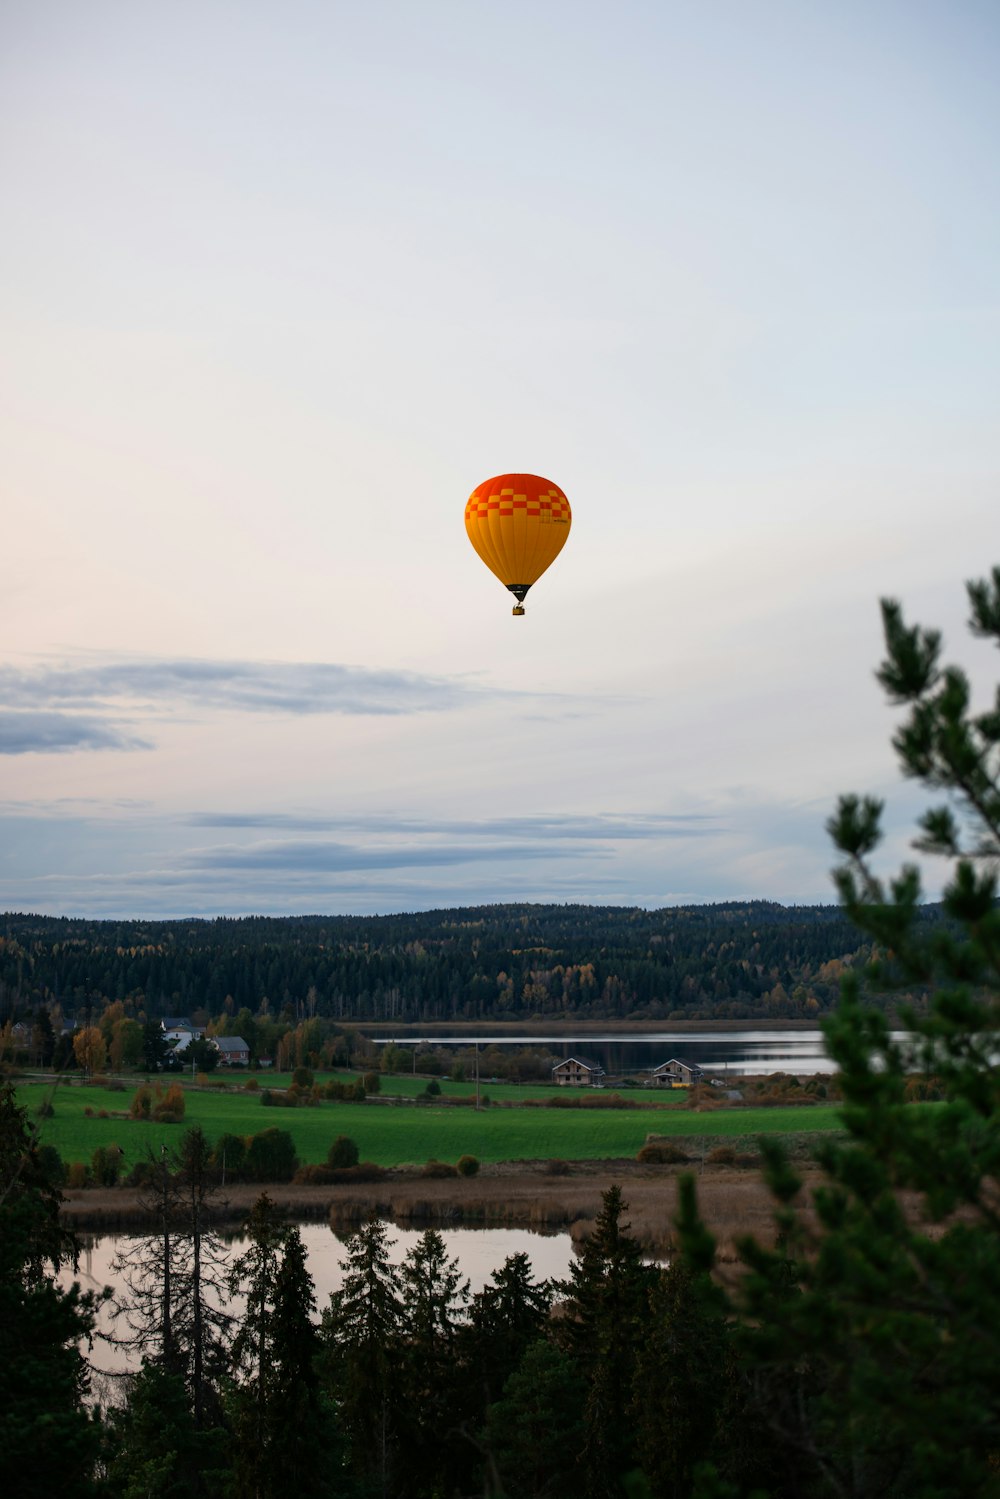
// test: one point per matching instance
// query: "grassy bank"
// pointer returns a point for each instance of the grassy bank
(393, 1136)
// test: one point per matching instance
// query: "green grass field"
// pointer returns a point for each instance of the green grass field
(396, 1135)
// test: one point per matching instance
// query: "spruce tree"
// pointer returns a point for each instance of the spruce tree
(535, 1432)
(48, 1437)
(605, 1320)
(172, 1306)
(155, 1450)
(361, 1333)
(433, 1402)
(284, 1434)
(505, 1318)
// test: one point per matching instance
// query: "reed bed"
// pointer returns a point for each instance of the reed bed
(734, 1202)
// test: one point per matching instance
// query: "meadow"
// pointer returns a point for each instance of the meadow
(395, 1135)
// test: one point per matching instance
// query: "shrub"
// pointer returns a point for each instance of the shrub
(722, 1155)
(115, 1085)
(229, 1156)
(661, 1153)
(44, 1110)
(343, 1152)
(433, 1089)
(364, 1171)
(251, 1085)
(467, 1165)
(106, 1165)
(88, 1112)
(439, 1169)
(326, 1175)
(270, 1156)
(372, 1083)
(169, 1107)
(313, 1176)
(302, 1078)
(51, 1165)
(557, 1167)
(143, 1174)
(99, 1080)
(103, 1114)
(142, 1103)
(267, 1098)
(594, 1100)
(76, 1174)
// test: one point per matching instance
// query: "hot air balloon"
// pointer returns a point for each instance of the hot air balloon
(518, 523)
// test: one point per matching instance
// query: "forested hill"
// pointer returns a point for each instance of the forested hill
(743, 960)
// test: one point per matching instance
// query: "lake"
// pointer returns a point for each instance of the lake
(479, 1251)
(740, 1052)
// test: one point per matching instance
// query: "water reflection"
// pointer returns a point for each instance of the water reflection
(740, 1052)
(479, 1252)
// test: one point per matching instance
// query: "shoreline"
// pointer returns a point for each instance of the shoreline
(384, 1031)
(733, 1200)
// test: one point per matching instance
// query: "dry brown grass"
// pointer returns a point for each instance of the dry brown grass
(734, 1202)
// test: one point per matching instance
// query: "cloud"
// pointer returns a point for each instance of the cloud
(46, 708)
(114, 860)
(240, 686)
(341, 858)
(25, 733)
(639, 825)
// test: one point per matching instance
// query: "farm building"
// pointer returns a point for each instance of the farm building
(180, 1038)
(676, 1071)
(234, 1050)
(577, 1074)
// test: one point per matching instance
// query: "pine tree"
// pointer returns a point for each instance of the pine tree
(873, 1340)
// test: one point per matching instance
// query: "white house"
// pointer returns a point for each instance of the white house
(179, 1032)
(179, 1036)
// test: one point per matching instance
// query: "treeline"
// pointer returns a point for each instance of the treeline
(739, 961)
(624, 1380)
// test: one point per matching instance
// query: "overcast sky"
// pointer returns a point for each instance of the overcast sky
(281, 284)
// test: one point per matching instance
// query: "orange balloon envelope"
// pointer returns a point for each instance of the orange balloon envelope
(518, 523)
